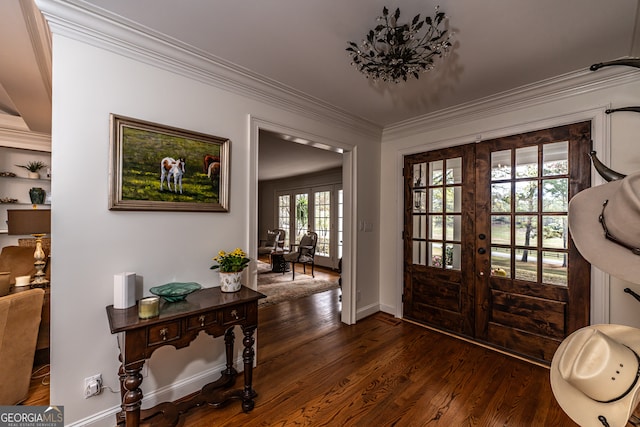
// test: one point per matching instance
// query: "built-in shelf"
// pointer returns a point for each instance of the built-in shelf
(17, 187)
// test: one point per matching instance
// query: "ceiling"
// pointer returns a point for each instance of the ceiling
(499, 45)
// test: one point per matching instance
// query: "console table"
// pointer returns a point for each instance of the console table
(178, 324)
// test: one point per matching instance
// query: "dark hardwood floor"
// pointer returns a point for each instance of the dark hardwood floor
(312, 370)
(315, 371)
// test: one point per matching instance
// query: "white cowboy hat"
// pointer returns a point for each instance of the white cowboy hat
(594, 375)
(605, 224)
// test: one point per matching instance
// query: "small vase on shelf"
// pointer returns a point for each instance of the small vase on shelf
(37, 195)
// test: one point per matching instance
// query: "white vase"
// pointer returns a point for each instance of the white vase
(230, 282)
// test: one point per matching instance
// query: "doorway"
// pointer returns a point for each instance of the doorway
(346, 201)
(487, 252)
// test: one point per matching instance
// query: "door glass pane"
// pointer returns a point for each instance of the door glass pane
(302, 215)
(501, 197)
(435, 198)
(454, 170)
(322, 222)
(554, 268)
(555, 195)
(419, 201)
(527, 196)
(500, 261)
(435, 230)
(419, 174)
(554, 231)
(419, 252)
(526, 230)
(526, 264)
(452, 256)
(454, 199)
(555, 158)
(501, 165)
(284, 216)
(527, 162)
(453, 228)
(435, 168)
(435, 255)
(500, 230)
(419, 227)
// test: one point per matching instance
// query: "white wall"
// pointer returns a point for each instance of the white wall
(580, 96)
(93, 243)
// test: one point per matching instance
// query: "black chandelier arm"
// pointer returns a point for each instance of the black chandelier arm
(631, 62)
(635, 109)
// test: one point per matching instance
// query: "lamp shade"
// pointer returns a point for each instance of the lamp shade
(29, 221)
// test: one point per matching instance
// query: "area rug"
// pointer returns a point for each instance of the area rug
(279, 287)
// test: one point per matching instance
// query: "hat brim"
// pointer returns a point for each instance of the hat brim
(581, 408)
(588, 236)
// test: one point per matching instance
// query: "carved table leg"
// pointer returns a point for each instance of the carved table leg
(122, 375)
(247, 357)
(229, 338)
(132, 399)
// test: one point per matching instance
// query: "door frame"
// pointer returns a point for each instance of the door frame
(349, 186)
(600, 125)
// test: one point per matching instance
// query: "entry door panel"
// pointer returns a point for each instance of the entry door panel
(532, 286)
(487, 250)
(439, 240)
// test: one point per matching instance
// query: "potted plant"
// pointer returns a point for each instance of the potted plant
(33, 168)
(230, 265)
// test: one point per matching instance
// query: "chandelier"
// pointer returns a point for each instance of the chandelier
(393, 52)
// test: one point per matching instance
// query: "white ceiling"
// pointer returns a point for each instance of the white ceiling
(499, 45)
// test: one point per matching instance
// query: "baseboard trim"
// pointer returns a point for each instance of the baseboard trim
(181, 388)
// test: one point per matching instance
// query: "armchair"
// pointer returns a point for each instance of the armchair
(19, 321)
(305, 254)
(274, 240)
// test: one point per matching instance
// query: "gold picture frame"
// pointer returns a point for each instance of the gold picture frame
(160, 168)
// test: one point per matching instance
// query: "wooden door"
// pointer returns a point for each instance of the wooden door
(439, 238)
(517, 282)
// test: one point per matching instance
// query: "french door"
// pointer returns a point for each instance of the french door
(487, 250)
(318, 209)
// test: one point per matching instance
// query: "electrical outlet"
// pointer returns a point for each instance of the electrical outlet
(92, 386)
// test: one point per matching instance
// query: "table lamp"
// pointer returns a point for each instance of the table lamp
(36, 222)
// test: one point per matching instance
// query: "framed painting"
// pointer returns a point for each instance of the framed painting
(160, 168)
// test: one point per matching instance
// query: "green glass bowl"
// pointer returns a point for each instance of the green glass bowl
(175, 291)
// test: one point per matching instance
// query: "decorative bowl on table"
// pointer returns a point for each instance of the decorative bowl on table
(175, 291)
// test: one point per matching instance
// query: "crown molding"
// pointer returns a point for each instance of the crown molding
(24, 139)
(87, 23)
(542, 92)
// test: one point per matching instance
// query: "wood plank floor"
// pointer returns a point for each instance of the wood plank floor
(315, 371)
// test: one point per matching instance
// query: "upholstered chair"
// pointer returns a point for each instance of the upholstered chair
(305, 253)
(269, 244)
(20, 314)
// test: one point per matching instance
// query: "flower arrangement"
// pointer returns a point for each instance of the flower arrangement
(231, 262)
